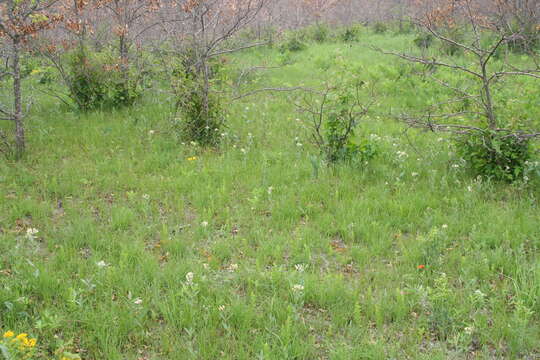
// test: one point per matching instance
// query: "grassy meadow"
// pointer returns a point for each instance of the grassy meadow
(149, 248)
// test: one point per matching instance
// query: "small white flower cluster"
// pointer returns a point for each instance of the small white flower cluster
(402, 154)
(102, 264)
(232, 267)
(298, 288)
(189, 278)
(31, 233)
(300, 267)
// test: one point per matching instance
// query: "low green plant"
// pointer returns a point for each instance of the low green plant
(424, 41)
(351, 33)
(380, 27)
(494, 155)
(292, 44)
(451, 48)
(320, 33)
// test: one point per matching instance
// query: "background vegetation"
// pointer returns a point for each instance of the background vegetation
(208, 217)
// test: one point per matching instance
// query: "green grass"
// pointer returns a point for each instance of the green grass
(287, 263)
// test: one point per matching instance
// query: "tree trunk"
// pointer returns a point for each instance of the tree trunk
(20, 142)
(488, 102)
(124, 64)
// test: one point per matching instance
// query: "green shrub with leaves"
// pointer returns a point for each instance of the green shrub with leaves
(95, 81)
(198, 112)
(351, 33)
(380, 27)
(493, 155)
(335, 115)
(319, 33)
(452, 48)
(292, 44)
(424, 41)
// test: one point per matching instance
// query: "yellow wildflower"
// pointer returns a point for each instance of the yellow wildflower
(8, 334)
(31, 343)
(22, 336)
(193, 158)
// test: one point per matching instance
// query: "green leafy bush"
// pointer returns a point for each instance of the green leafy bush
(350, 34)
(199, 114)
(96, 81)
(424, 41)
(495, 155)
(380, 27)
(449, 48)
(320, 33)
(293, 44)
(334, 120)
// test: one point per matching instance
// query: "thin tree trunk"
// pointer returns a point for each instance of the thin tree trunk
(488, 104)
(20, 142)
(124, 63)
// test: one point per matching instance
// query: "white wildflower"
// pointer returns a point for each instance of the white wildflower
(300, 267)
(401, 154)
(204, 224)
(298, 287)
(189, 278)
(232, 267)
(138, 301)
(102, 264)
(31, 233)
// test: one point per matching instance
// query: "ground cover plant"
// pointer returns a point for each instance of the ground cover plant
(120, 239)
